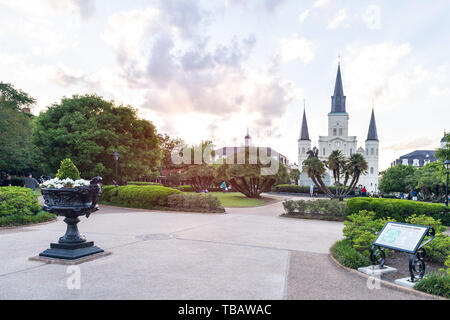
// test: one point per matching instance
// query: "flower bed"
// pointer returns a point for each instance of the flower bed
(322, 209)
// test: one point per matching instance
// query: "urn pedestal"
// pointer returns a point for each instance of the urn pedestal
(71, 204)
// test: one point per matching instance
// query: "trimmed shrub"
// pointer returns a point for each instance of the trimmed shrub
(362, 229)
(20, 206)
(292, 188)
(400, 209)
(200, 202)
(68, 170)
(322, 207)
(143, 197)
(435, 283)
(19, 220)
(18, 201)
(185, 188)
(348, 256)
(143, 183)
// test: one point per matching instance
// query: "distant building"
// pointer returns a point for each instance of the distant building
(228, 151)
(338, 138)
(418, 158)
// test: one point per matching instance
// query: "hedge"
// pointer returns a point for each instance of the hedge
(195, 202)
(19, 206)
(348, 256)
(435, 283)
(143, 197)
(292, 188)
(399, 209)
(143, 183)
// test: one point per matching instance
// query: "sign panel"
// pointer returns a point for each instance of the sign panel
(401, 236)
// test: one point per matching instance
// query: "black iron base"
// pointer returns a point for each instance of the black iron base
(70, 251)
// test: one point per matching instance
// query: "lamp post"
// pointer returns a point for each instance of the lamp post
(447, 169)
(116, 156)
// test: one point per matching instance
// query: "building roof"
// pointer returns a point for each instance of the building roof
(372, 134)
(338, 99)
(420, 155)
(443, 139)
(304, 133)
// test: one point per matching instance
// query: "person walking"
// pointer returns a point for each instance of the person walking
(224, 186)
(311, 190)
(414, 195)
(31, 183)
(7, 182)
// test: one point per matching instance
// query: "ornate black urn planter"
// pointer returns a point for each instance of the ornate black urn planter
(72, 203)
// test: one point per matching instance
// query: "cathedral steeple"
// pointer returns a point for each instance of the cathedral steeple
(304, 133)
(372, 135)
(338, 99)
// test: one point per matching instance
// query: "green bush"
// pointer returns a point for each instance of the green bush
(292, 188)
(68, 170)
(20, 206)
(201, 202)
(144, 197)
(186, 188)
(320, 207)
(362, 228)
(19, 220)
(435, 283)
(348, 256)
(143, 183)
(400, 209)
(18, 201)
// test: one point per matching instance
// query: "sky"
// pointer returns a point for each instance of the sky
(208, 70)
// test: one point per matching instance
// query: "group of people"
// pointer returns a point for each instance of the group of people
(225, 187)
(29, 182)
(409, 195)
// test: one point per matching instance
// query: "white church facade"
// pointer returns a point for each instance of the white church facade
(338, 139)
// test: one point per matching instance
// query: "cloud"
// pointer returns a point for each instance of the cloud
(297, 47)
(338, 20)
(165, 54)
(410, 145)
(322, 3)
(372, 17)
(302, 17)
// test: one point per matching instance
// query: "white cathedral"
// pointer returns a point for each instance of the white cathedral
(338, 139)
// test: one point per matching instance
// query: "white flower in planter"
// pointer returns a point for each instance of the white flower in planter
(65, 183)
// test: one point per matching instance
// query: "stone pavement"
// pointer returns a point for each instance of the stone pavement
(249, 253)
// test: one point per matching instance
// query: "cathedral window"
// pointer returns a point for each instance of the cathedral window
(303, 151)
(351, 151)
(405, 162)
(371, 170)
(372, 152)
(340, 131)
(416, 162)
(334, 132)
(377, 151)
(324, 151)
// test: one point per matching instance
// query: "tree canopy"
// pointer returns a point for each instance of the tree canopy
(87, 129)
(18, 155)
(399, 178)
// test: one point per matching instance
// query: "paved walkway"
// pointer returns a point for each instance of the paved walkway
(250, 253)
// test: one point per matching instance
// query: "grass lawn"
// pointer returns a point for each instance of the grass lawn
(236, 199)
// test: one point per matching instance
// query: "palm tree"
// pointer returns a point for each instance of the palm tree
(336, 163)
(351, 169)
(315, 169)
(356, 165)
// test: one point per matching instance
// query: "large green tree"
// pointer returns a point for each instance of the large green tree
(254, 175)
(18, 155)
(87, 129)
(399, 178)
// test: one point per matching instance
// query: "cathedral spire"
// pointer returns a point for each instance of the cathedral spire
(338, 99)
(372, 135)
(304, 133)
